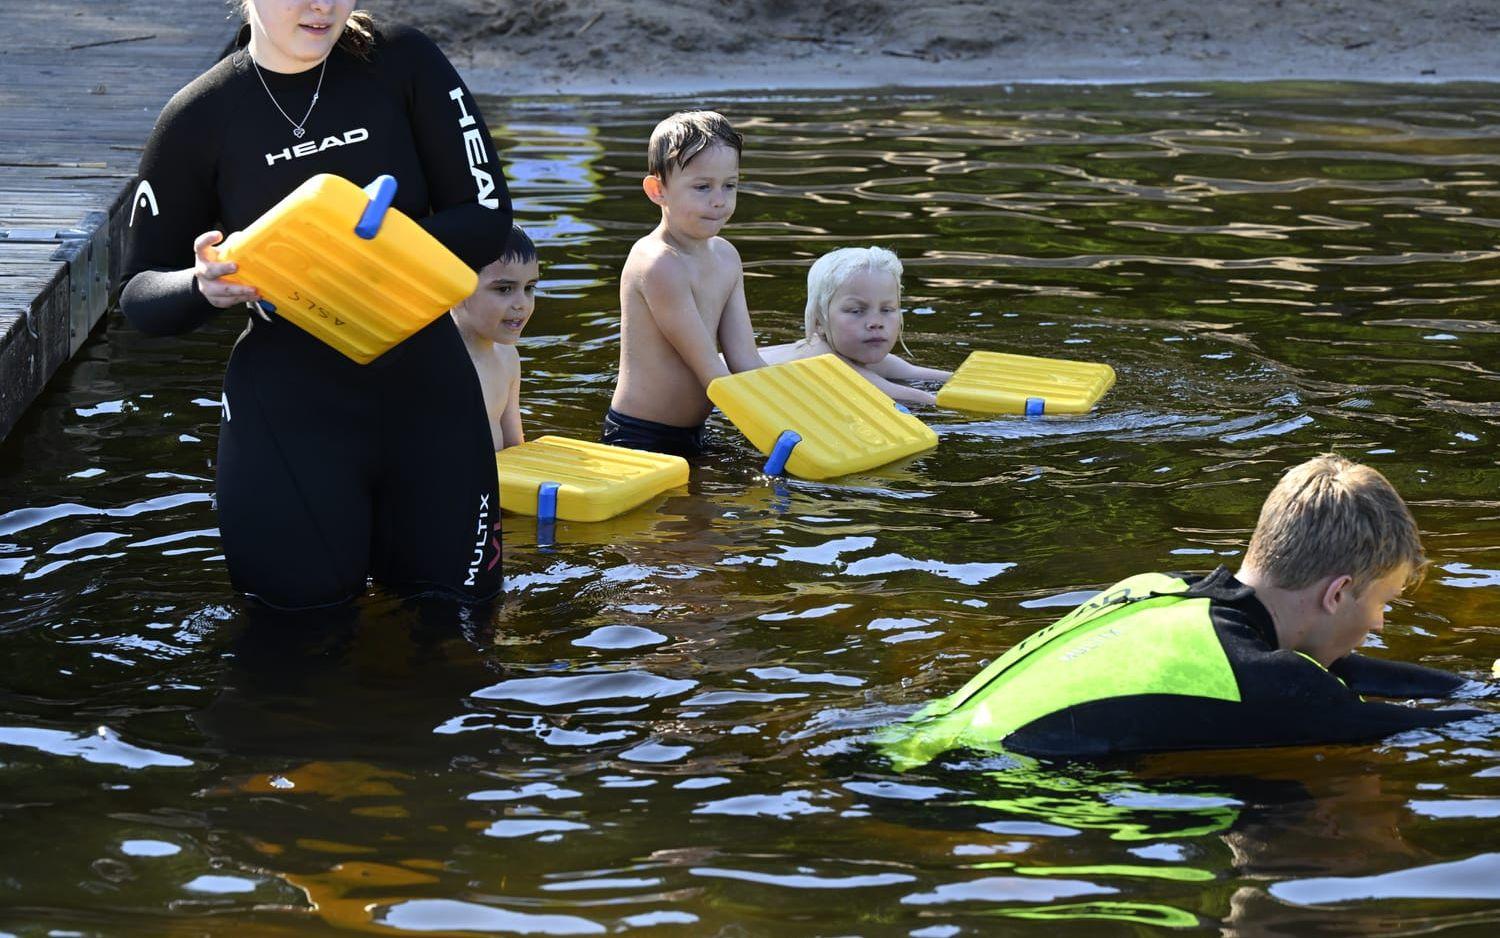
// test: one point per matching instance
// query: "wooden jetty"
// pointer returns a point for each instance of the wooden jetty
(80, 88)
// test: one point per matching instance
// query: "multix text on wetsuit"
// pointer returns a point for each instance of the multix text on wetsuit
(330, 472)
(1159, 662)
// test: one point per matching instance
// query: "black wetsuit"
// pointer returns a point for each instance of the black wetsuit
(331, 472)
(1159, 663)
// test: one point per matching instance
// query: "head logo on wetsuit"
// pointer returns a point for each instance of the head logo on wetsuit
(474, 149)
(357, 135)
(143, 196)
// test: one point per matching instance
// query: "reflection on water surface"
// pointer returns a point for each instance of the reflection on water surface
(662, 729)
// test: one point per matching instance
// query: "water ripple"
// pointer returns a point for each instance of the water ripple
(578, 688)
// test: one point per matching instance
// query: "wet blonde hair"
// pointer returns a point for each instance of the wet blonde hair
(1329, 517)
(679, 138)
(357, 37)
(831, 271)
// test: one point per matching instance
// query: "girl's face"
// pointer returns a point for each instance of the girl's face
(295, 35)
(864, 317)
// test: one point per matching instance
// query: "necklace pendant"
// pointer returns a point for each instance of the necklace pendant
(298, 132)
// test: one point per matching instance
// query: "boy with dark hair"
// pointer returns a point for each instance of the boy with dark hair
(491, 320)
(1259, 658)
(682, 292)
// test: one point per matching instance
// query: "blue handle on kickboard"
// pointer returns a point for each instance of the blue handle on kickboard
(1035, 406)
(546, 515)
(546, 502)
(781, 452)
(382, 193)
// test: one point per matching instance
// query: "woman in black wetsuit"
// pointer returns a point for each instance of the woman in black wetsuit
(329, 472)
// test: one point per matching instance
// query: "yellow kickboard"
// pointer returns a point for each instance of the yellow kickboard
(998, 383)
(362, 297)
(846, 423)
(594, 481)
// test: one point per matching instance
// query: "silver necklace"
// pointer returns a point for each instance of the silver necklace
(297, 129)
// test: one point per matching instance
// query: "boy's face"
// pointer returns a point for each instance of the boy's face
(864, 316)
(699, 198)
(500, 308)
(1355, 614)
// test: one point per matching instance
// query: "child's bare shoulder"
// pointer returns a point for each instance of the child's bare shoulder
(793, 351)
(724, 252)
(648, 248)
(492, 362)
(653, 260)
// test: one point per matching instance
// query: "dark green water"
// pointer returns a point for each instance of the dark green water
(662, 730)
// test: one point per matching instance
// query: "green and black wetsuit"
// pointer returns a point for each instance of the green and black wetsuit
(1159, 662)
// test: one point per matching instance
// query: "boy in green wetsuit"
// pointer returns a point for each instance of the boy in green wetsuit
(1261, 658)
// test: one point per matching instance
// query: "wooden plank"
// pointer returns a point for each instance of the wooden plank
(79, 92)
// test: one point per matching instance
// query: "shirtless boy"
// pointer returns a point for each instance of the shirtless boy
(682, 292)
(490, 321)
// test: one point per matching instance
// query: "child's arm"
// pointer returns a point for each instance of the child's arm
(896, 392)
(894, 368)
(669, 296)
(510, 418)
(776, 354)
(736, 337)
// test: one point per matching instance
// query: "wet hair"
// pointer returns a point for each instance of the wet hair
(831, 271)
(684, 135)
(357, 37)
(1330, 517)
(518, 249)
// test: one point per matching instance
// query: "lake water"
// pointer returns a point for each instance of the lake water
(664, 730)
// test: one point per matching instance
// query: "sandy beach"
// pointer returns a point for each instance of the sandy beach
(689, 46)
